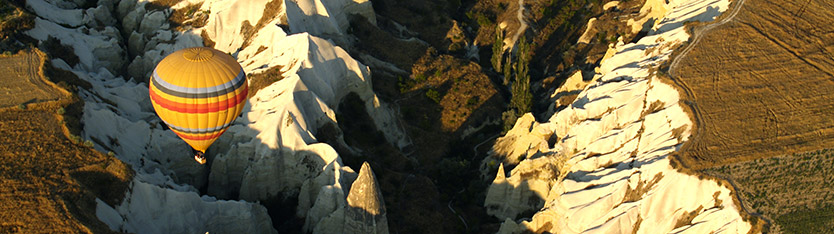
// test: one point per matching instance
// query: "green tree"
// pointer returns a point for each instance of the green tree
(522, 98)
(497, 49)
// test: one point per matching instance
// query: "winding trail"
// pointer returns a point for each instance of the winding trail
(699, 33)
(522, 24)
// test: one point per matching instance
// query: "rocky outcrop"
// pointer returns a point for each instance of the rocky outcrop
(524, 140)
(612, 171)
(148, 208)
(525, 191)
(364, 211)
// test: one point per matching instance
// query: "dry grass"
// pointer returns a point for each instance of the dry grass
(49, 178)
(636, 194)
(761, 84)
(188, 17)
(460, 86)
(686, 218)
(263, 79)
(57, 50)
(270, 12)
(161, 5)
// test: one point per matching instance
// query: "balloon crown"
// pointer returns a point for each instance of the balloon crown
(198, 54)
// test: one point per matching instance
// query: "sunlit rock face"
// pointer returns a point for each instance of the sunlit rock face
(609, 169)
(364, 211)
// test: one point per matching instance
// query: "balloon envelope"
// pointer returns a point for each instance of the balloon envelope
(198, 92)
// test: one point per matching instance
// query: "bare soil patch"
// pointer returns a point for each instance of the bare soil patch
(761, 85)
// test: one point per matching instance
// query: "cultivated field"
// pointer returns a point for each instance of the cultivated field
(762, 84)
(797, 191)
(761, 88)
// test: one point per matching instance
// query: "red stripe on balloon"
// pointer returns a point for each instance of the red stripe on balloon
(200, 138)
(199, 108)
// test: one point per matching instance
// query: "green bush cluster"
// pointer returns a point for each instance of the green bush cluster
(434, 95)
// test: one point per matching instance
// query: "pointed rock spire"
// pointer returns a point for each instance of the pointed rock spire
(366, 209)
(501, 176)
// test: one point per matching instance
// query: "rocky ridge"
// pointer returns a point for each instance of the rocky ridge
(607, 168)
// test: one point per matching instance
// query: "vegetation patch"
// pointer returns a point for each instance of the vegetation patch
(263, 79)
(818, 220)
(797, 185)
(456, 85)
(189, 17)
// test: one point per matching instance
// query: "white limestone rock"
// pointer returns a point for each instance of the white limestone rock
(365, 212)
(151, 209)
(524, 140)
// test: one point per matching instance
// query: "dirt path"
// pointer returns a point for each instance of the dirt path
(699, 33)
(23, 80)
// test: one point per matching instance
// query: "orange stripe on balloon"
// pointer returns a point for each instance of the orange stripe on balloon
(199, 108)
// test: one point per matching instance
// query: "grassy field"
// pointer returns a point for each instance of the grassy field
(794, 190)
(761, 85)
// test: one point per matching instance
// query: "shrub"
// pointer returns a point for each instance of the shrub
(508, 117)
(61, 111)
(471, 102)
(483, 20)
(75, 139)
(403, 84)
(420, 78)
(434, 95)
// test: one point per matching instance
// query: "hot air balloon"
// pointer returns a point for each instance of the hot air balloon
(198, 92)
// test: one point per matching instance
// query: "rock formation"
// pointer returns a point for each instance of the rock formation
(612, 172)
(364, 211)
(181, 212)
